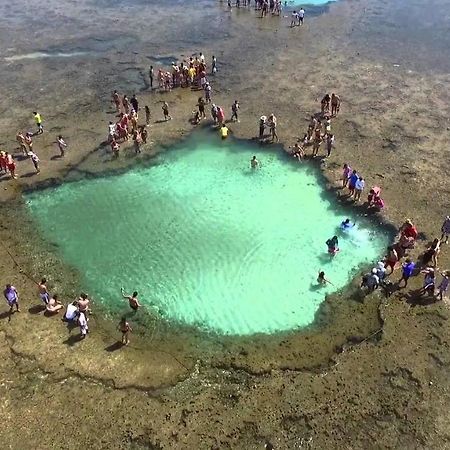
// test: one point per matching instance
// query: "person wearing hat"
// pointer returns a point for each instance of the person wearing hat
(371, 280)
(428, 281)
(445, 229)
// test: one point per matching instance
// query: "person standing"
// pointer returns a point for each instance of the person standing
(35, 160)
(29, 141)
(151, 73)
(443, 287)
(262, 126)
(333, 246)
(165, 109)
(234, 111)
(125, 329)
(62, 146)
(201, 108)
(208, 90)
(359, 187)
(83, 303)
(83, 324)
(273, 127)
(354, 177)
(38, 120)
(115, 98)
(330, 143)
(11, 165)
(3, 164)
(407, 271)
(214, 113)
(147, 115)
(335, 105)
(294, 18)
(254, 163)
(301, 16)
(20, 138)
(43, 291)
(445, 229)
(214, 65)
(135, 104)
(12, 297)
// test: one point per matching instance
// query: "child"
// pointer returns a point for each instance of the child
(125, 329)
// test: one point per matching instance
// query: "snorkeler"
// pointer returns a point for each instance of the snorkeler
(333, 246)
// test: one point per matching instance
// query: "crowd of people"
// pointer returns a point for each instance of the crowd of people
(426, 264)
(76, 313)
(193, 73)
(8, 165)
(273, 7)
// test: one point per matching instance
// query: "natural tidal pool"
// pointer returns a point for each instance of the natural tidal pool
(205, 239)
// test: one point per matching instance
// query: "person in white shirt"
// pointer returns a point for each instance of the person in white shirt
(359, 187)
(294, 18)
(71, 314)
(301, 16)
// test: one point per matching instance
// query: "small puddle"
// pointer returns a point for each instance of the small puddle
(207, 240)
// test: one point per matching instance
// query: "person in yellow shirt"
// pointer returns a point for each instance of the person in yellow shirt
(224, 130)
(38, 119)
(191, 73)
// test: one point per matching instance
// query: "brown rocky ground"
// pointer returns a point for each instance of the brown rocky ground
(372, 374)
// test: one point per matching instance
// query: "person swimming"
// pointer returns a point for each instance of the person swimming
(346, 225)
(333, 245)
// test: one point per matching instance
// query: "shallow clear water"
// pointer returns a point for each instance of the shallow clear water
(207, 240)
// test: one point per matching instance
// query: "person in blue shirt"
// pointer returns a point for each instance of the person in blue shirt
(354, 177)
(346, 225)
(407, 271)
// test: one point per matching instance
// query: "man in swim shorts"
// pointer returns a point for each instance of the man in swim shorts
(254, 163)
(12, 297)
(132, 299)
(43, 292)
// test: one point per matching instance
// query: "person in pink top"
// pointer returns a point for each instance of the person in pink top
(346, 172)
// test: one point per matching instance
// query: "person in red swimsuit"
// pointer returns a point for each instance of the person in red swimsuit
(409, 230)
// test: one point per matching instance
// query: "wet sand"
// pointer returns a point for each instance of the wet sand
(372, 373)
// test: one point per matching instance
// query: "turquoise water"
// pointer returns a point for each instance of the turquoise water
(205, 239)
